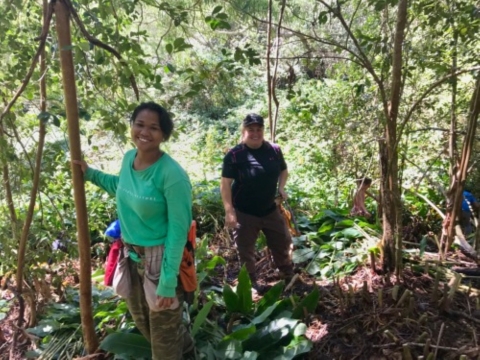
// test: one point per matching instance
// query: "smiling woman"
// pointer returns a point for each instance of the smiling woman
(153, 195)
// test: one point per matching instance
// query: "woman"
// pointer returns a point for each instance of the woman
(251, 173)
(153, 195)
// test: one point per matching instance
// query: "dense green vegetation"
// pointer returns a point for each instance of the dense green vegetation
(350, 99)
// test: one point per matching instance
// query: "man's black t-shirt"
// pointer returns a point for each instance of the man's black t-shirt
(255, 174)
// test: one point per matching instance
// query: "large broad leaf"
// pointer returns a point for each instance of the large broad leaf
(351, 233)
(229, 349)
(271, 297)
(45, 327)
(309, 303)
(326, 227)
(133, 345)
(244, 292)
(201, 317)
(250, 355)
(241, 332)
(313, 268)
(295, 348)
(232, 302)
(344, 223)
(302, 255)
(264, 315)
(268, 336)
(328, 214)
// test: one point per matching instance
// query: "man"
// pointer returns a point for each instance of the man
(251, 174)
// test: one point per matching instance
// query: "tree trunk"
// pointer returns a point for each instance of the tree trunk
(461, 175)
(269, 76)
(392, 240)
(36, 179)
(69, 89)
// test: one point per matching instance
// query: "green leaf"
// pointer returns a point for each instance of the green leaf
(309, 303)
(302, 255)
(56, 121)
(244, 292)
(44, 329)
(85, 46)
(270, 335)
(323, 17)
(201, 317)
(44, 116)
(295, 348)
(169, 48)
(264, 315)
(313, 268)
(300, 330)
(270, 297)
(217, 9)
(229, 349)
(129, 344)
(224, 25)
(250, 355)
(351, 233)
(214, 262)
(326, 227)
(232, 302)
(169, 68)
(242, 332)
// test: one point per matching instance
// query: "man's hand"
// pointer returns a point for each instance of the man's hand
(283, 194)
(231, 220)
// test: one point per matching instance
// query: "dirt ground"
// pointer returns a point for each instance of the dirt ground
(361, 316)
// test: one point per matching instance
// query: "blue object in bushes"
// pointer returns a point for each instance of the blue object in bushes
(113, 230)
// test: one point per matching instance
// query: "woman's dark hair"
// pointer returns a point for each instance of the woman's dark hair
(164, 119)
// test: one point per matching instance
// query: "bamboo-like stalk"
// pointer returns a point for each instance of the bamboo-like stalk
(407, 355)
(22, 248)
(440, 334)
(395, 290)
(405, 297)
(426, 348)
(70, 93)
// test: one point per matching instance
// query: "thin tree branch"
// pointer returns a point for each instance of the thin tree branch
(427, 92)
(298, 33)
(269, 80)
(275, 70)
(41, 46)
(368, 65)
(102, 45)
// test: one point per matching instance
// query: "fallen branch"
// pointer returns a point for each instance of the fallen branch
(290, 284)
(447, 348)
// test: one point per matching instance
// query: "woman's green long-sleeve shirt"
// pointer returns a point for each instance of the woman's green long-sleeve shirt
(154, 207)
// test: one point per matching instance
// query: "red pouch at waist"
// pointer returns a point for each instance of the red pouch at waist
(111, 263)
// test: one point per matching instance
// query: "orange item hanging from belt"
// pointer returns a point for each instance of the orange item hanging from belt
(288, 216)
(188, 274)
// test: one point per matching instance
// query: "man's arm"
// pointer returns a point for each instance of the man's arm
(226, 192)
(282, 180)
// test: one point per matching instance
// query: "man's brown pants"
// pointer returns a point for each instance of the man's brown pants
(278, 238)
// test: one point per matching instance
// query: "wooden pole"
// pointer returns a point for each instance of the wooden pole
(70, 93)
